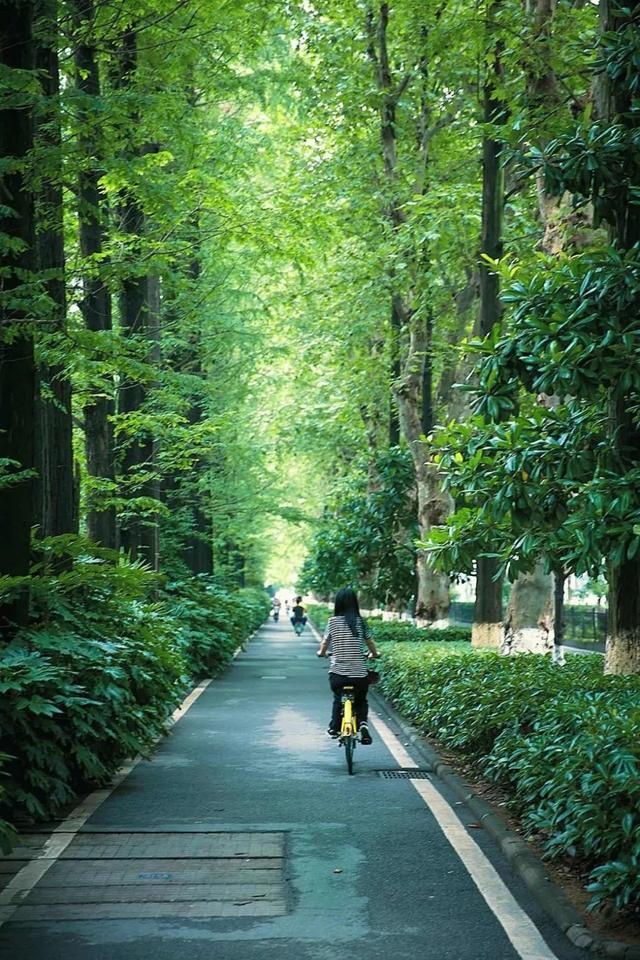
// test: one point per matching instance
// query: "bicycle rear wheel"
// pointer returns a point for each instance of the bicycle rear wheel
(349, 747)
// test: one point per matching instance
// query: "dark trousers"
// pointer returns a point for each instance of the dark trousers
(360, 687)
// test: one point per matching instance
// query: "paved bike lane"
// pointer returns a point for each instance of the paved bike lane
(244, 837)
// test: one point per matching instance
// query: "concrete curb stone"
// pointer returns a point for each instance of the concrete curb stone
(529, 868)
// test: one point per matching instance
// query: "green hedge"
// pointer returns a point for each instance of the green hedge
(319, 614)
(402, 630)
(565, 742)
(386, 630)
(94, 679)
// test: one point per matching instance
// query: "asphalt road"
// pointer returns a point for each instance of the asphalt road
(244, 837)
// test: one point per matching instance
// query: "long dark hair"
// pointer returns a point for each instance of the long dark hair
(346, 605)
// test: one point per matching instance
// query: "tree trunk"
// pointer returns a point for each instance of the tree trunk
(487, 618)
(542, 94)
(623, 643)
(137, 449)
(17, 365)
(615, 101)
(394, 416)
(96, 302)
(150, 531)
(57, 513)
(543, 98)
(559, 580)
(411, 333)
(487, 611)
(529, 616)
(198, 549)
(198, 552)
(432, 602)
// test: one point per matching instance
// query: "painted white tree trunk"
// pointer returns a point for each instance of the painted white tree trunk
(487, 635)
(528, 626)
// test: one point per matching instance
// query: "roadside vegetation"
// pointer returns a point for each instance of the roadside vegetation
(396, 630)
(320, 293)
(79, 696)
(564, 744)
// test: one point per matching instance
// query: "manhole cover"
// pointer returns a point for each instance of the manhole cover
(112, 876)
(404, 774)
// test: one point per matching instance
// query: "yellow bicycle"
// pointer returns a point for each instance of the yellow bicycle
(348, 726)
(348, 736)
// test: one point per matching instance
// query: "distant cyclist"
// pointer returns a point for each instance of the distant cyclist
(298, 613)
(347, 634)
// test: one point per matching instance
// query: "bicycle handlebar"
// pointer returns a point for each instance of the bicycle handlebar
(370, 656)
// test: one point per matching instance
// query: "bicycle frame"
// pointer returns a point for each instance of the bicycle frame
(348, 727)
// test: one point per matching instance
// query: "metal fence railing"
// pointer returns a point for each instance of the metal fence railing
(461, 612)
(586, 624)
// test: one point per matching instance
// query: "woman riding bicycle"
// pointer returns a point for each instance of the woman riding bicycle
(298, 613)
(346, 632)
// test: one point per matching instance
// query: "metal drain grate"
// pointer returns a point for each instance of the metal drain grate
(409, 774)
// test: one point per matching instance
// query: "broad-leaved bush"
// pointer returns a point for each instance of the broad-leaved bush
(109, 654)
(565, 743)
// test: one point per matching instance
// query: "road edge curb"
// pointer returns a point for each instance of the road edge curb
(551, 897)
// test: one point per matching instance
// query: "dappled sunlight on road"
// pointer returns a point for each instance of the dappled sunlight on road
(290, 730)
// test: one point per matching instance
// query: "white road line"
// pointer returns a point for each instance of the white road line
(518, 926)
(28, 876)
(391, 742)
(187, 703)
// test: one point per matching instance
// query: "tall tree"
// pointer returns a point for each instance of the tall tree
(533, 599)
(411, 316)
(487, 618)
(96, 301)
(199, 546)
(57, 508)
(18, 262)
(153, 486)
(137, 536)
(618, 105)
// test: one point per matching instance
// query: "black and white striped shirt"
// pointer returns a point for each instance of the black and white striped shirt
(347, 654)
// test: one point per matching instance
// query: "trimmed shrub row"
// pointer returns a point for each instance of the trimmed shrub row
(319, 614)
(93, 681)
(402, 630)
(565, 743)
(388, 630)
